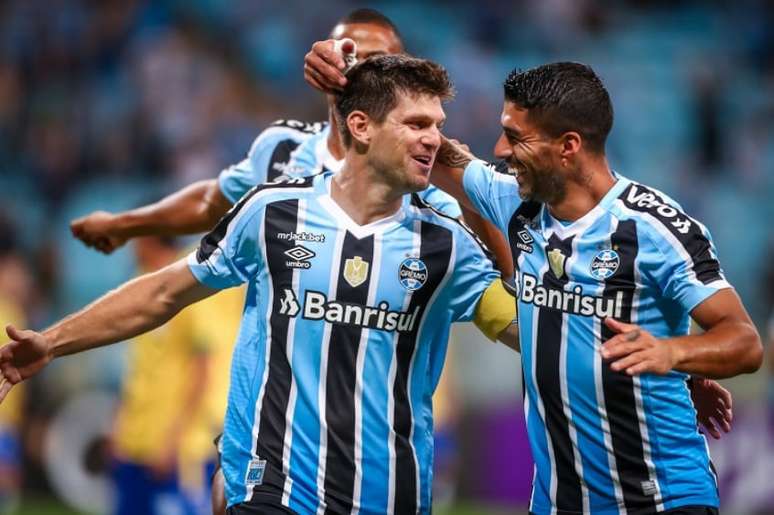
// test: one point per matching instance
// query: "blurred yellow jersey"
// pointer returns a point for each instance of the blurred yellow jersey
(159, 378)
(11, 408)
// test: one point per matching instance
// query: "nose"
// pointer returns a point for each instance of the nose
(431, 138)
(502, 149)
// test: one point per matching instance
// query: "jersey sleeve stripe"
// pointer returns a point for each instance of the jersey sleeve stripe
(685, 231)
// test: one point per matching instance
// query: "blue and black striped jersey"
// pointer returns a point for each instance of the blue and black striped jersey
(342, 343)
(605, 442)
(289, 148)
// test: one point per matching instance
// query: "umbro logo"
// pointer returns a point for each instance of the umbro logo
(299, 257)
(525, 240)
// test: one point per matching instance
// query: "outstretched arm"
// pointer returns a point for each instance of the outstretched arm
(195, 208)
(136, 307)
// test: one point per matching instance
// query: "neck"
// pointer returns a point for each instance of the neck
(335, 146)
(584, 190)
(358, 190)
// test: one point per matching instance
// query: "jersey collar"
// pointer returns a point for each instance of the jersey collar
(359, 231)
(551, 224)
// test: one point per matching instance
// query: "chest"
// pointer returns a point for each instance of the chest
(601, 255)
(322, 260)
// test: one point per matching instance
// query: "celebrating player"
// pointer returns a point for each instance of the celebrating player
(352, 287)
(610, 272)
(288, 148)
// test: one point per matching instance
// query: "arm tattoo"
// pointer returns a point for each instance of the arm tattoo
(453, 156)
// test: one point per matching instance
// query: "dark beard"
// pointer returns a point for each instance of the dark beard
(548, 187)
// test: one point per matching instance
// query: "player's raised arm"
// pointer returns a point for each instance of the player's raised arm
(195, 208)
(136, 307)
(324, 64)
(448, 173)
(449, 169)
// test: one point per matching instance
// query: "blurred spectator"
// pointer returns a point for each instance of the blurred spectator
(15, 293)
(173, 401)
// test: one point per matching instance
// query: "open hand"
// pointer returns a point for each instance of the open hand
(713, 406)
(24, 356)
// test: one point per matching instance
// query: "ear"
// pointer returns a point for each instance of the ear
(571, 143)
(359, 125)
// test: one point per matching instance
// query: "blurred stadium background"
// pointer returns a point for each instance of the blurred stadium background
(108, 104)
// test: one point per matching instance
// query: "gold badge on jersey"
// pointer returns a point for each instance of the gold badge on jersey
(355, 271)
(556, 260)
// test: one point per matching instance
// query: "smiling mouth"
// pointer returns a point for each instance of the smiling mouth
(515, 169)
(424, 161)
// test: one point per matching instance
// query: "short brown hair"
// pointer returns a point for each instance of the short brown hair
(373, 86)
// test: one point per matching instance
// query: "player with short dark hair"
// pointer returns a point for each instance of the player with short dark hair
(561, 97)
(287, 148)
(609, 274)
(353, 283)
(375, 90)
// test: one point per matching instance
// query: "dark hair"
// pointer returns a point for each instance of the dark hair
(369, 16)
(373, 86)
(564, 97)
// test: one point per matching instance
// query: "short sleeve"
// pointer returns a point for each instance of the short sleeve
(231, 254)
(494, 194)
(265, 162)
(687, 269)
(442, 201)
(473, 273)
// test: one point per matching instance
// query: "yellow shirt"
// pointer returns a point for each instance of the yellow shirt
(216, 320)
(11, 408)
(159, 378)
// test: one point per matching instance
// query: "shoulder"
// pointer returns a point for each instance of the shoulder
(261, 195)
(455, 227)
(251, 209)
(299, 126)
(282, 188)
(660, 216)
(284, 132)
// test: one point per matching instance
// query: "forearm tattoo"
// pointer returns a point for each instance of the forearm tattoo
(453, 156)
